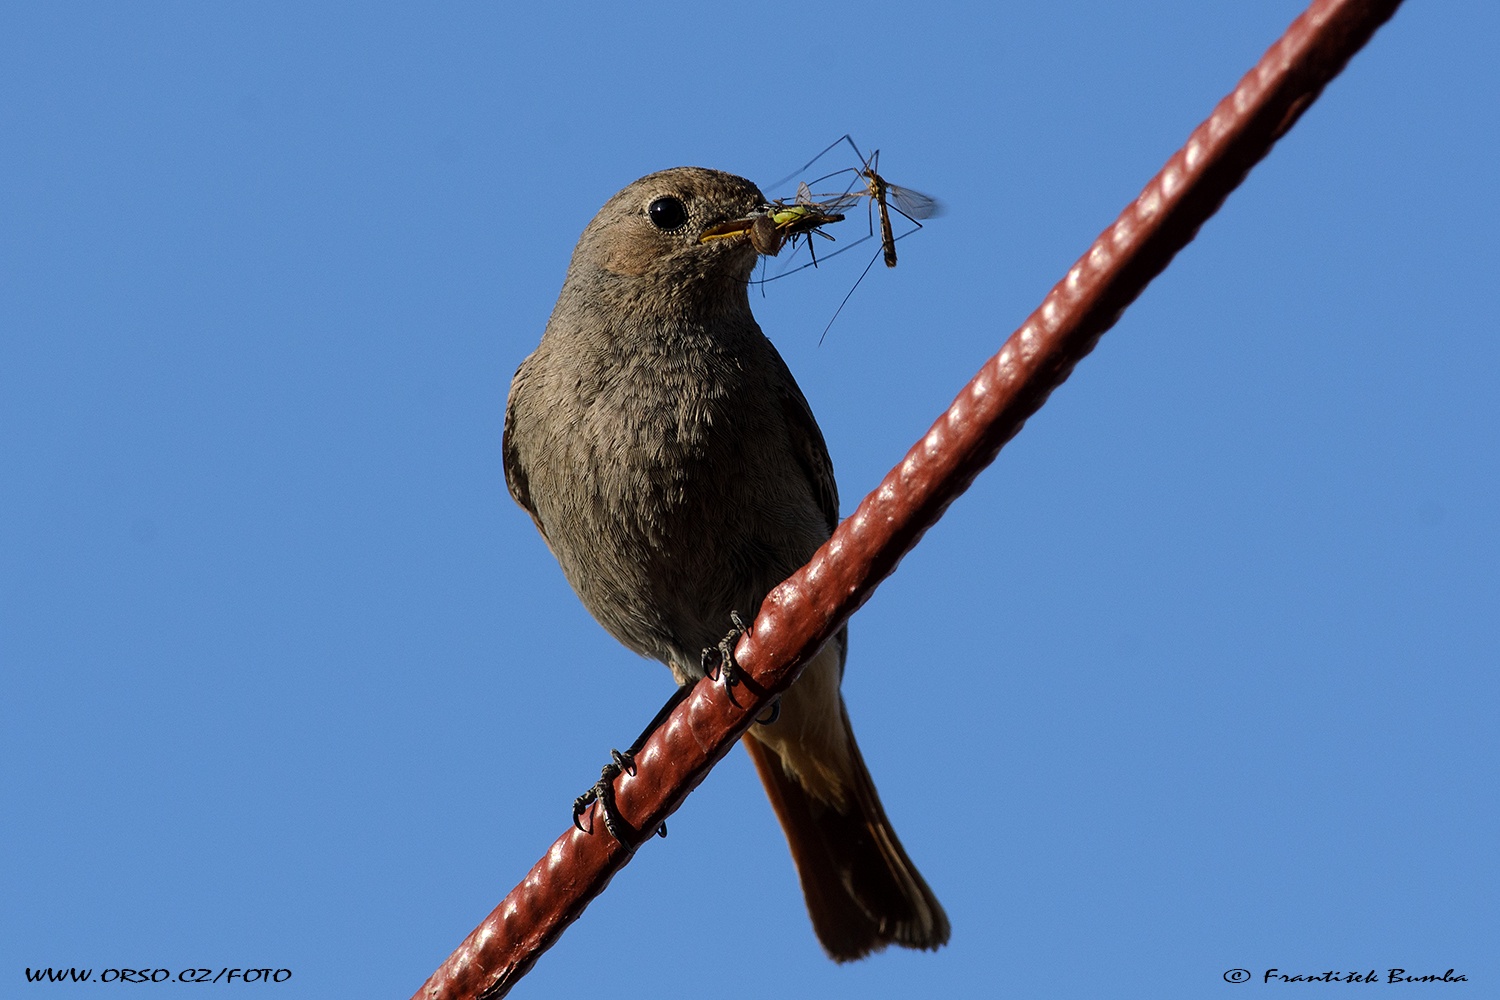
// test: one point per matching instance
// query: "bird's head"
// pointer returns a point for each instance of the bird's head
(654, 229)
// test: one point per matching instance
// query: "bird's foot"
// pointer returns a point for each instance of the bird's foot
(719, 660)
(604, 793)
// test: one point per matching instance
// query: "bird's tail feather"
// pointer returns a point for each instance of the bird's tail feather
(862, 891)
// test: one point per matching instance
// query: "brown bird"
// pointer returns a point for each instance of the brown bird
(675, 470)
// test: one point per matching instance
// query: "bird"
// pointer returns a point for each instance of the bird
(674, 468)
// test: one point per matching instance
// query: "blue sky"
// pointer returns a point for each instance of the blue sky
(1200, 675)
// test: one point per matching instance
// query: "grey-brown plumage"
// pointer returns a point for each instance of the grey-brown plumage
(672, 464)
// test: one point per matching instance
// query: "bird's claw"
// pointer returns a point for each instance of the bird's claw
(719, 660)
(771, 714)
(603, 792)
(623, 762)
(581, 806)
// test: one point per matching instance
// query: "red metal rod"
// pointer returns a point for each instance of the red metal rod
(803, 612)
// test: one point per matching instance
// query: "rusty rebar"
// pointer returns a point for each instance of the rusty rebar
(803, 612)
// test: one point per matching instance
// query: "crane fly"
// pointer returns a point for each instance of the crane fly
(883, 196)
(784, 220)
(912, 204)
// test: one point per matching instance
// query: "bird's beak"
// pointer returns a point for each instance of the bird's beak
(735, 227)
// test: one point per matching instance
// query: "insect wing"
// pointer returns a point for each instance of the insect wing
(913, 204)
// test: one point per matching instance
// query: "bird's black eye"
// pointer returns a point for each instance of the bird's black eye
(667, 214)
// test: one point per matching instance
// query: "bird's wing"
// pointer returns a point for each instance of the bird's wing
(810, 450)
(515, 471)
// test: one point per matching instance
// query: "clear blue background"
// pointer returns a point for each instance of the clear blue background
(1201, 674)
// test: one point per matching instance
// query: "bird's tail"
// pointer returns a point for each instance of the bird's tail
(862, 891)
